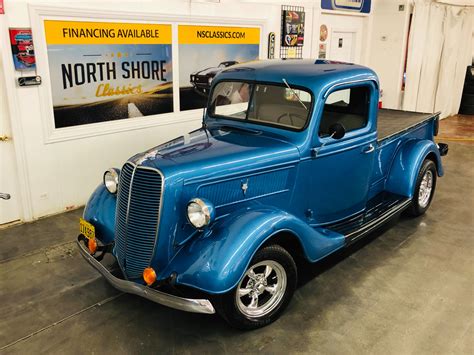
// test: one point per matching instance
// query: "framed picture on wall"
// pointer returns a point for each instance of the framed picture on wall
(23, 50)
(208, 51)
(104, 71)
(293, 28)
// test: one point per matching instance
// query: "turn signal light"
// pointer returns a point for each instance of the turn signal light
(92, 245)
(149, 275)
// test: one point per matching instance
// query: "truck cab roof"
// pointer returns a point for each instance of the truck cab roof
(314, 74)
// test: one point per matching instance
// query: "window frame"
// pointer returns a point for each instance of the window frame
(212, 115)
(371, 85)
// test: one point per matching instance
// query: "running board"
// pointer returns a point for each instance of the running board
(379, 210)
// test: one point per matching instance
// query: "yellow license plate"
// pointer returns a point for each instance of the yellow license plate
(87, 229)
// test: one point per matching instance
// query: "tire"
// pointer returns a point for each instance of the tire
(424, 189)
(281, 278)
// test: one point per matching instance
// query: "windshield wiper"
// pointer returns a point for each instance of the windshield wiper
(294, 93)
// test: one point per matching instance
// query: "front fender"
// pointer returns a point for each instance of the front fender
(100, 211)
(215, 261)
(407, 163)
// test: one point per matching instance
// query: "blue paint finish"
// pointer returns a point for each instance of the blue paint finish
(100, 211)
(288, 188)
(216, 260)
(407, 163)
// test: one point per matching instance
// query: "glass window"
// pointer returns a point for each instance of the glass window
(270, 104)
(349, 107)
(231, 99)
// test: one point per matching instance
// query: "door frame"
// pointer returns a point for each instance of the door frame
(326, 146)
(354, 40)
(24, 200)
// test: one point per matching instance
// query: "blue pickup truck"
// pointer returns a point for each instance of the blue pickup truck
(294, 161)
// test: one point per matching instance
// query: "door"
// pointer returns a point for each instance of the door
(9, 202)
(341, 168)
(342, 48)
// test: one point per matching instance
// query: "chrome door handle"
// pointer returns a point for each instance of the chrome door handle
(368, 149)
(4, 196)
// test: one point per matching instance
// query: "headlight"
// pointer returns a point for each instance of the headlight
(200, 212)
(210, 80)
(111, 180)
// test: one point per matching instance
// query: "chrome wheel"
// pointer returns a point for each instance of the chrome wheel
(425, 190)
(261, 289)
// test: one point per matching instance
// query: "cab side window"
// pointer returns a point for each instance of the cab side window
(349, 107)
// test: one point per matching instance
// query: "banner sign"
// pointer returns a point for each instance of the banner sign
(205, 52)
(362, 6)
(293, 29)
(103, 71)
(23, 49)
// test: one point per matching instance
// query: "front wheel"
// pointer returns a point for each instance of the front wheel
(263, 292)
(424, 189)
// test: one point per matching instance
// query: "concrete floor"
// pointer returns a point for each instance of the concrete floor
(405, 290)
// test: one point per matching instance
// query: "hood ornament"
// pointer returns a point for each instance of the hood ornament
(149, 155)
(244, 186)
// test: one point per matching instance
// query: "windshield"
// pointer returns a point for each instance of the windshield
(261, 103)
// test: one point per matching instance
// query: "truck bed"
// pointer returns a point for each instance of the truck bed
(394, 122)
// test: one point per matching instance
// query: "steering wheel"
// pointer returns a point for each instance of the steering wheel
(290, 116)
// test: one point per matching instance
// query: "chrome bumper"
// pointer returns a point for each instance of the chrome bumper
(184, 304)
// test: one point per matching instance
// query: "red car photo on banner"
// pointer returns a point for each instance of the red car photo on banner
(23, 50)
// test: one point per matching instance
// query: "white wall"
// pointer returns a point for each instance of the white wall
(388, 43)
(56, 176)
(346, 23)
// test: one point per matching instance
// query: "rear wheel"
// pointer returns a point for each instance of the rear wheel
(263, 292)
(424, 188)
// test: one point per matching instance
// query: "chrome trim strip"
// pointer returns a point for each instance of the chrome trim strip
(252, 198)
(119, 193)
(126, 213)
(366, 80)
(365, 229)
(211, 180)
(159, 208)
(342, 150)
(184, 304)
(128, 200)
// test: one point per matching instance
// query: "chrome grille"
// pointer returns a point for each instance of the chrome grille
(137, 218)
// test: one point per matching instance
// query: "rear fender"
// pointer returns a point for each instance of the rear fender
(407, 164)
(216, 260)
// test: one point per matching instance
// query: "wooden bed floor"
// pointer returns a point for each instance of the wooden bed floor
(457, 128)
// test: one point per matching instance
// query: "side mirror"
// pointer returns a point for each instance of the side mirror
(337, 131)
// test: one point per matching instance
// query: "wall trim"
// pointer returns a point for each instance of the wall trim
(344, 13)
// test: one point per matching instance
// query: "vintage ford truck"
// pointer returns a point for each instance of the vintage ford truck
(294, 161)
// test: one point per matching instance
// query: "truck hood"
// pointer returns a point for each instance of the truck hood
(217, 152)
